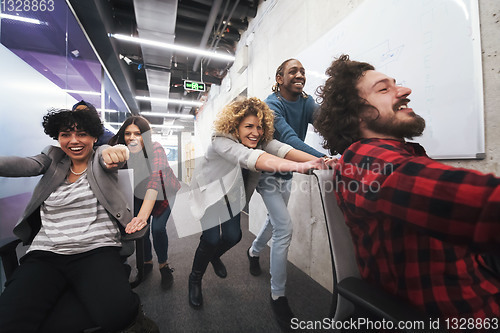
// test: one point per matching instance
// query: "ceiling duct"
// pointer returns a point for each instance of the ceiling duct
(156, 21)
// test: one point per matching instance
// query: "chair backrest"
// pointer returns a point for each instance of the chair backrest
(341, 246)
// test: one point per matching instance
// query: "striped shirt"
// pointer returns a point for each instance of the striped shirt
(73, 221)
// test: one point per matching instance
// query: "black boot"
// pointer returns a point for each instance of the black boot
(202, 256)
(219, 267)
(222, 247)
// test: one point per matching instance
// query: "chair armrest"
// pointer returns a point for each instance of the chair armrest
(9, 243)
(8, 254)
(379, 302)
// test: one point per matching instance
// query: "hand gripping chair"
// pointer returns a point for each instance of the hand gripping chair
(350, 293)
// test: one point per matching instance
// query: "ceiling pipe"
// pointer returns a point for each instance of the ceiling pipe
(220, 33)
(208, 29)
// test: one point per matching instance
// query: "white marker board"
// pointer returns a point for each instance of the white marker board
(430, 46)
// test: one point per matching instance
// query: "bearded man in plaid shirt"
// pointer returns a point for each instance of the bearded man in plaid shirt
(421, 229)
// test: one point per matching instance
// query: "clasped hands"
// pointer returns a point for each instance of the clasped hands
(321, 163)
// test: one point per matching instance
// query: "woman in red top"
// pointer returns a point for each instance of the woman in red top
(154, 182)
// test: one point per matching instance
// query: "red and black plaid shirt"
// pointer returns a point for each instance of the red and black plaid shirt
(160, 170)
(418, 226)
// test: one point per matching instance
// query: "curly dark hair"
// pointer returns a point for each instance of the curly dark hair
(59, 120)
(341, 106)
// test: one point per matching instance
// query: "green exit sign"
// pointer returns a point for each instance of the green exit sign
(193, 85)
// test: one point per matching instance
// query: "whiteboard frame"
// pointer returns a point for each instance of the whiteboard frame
(397, 35)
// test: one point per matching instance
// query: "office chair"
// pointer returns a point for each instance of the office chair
(350, 293)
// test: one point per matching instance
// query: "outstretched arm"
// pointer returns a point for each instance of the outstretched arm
(285, 133)
(141, 220)
(299, 156)
(271, 163)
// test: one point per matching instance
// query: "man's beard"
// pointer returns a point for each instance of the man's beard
(408, 128)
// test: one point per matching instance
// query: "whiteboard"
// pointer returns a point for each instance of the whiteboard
(430, 46)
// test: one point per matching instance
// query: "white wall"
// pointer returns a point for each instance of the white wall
(25, 96)
(281, 30)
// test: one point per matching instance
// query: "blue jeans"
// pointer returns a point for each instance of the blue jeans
(229, 231)
(158, 230)
(275, 192)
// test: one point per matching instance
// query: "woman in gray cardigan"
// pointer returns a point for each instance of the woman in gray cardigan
(227, 176)
(72, 277)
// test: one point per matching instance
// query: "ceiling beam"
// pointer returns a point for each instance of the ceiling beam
(95, 19)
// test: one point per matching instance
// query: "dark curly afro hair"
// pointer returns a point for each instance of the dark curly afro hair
(87, 120)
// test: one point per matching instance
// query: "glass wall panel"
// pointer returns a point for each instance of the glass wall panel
(45, 62)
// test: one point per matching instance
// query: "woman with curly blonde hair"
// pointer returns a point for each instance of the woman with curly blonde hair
(241, 147)
(230, 117)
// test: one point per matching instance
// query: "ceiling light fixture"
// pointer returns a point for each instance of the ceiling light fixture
(168, 100)
(152, 125)
(167, 126)
(125, 58)
(81, 92)
(174, 47)
(22, 19)
(108, 110)
(168, 115)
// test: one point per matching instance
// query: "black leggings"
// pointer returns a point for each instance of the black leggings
(50, 292)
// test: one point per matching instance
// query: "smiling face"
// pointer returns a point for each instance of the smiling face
(292, 81)
(133, 138)
(77, 144)
(394, 118)
(250, 131)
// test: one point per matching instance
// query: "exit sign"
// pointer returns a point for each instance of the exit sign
(193, 85)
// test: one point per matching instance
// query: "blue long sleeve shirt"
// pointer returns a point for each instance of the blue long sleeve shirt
(291, 120)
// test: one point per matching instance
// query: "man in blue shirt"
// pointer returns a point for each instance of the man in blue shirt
(293, 110)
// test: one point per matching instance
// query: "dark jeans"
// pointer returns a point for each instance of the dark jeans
(51, 292)
(159, 234)
(229, 231)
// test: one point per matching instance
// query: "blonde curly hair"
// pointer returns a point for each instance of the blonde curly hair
(231, 116)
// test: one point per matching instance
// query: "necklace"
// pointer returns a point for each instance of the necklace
(77, 173)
